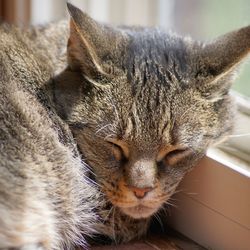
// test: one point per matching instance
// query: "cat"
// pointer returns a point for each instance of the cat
(96, 140)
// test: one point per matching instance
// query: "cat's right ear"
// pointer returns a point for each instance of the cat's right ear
(217, 62)
(90, 44)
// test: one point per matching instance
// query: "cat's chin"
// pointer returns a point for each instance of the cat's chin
(139, 211)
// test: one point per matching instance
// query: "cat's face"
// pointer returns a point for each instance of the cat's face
(141, 143)
(143, 110)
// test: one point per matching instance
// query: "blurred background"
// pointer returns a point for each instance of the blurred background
(201, 19)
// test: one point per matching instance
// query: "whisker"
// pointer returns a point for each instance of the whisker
(158, 218)
(152, 246)
(177, 191)
(170, 204)
(191, 193)
(92, 181)
(113, 226)
(166, 210)
(102, 128)
(109, 212)
(239, 135)
(161, 197)
(183, 191)
(172, 199)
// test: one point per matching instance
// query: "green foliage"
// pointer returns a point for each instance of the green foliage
(222, 16)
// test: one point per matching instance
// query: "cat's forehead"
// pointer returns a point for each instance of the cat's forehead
(147, 131)
(157, 59)
(155, 46)
(155, 66)
(158, 91)
(145, 114)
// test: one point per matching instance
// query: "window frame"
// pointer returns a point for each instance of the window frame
(238, 144)
(213, 206)
(16, 11)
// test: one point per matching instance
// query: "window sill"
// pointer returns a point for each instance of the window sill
(213, 204)
(229, 160)
(238, 144)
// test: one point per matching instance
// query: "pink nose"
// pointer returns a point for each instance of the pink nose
(140, 192)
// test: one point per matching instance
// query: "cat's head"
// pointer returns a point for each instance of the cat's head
(144, 105)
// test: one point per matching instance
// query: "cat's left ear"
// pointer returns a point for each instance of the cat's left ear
(91, 45)
(217, 61)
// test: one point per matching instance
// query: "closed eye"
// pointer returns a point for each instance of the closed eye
(116, 151)
(176, 152)
(176, 155)
(119, 149)
(172, 157)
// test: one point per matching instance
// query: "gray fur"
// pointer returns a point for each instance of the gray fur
(128, 95)
(45, 197)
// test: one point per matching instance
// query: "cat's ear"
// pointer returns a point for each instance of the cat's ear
(90, 44)
(219, 59)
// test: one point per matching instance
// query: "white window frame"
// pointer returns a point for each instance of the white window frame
(238, 144)
(213, 206)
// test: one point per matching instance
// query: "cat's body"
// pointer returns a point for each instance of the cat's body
(45, 197)
(143, 106)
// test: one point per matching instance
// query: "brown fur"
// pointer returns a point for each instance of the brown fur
(140, 106)
(158, 98)
(43, 182)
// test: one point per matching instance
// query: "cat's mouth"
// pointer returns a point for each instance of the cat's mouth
(139, 211)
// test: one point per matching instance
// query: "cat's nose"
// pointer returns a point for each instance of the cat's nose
(140, 192)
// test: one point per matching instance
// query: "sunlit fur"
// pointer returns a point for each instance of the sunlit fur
(157, 97)
(46, 198)
(152, 91)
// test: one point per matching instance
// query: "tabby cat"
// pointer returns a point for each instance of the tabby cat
(95, 141)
